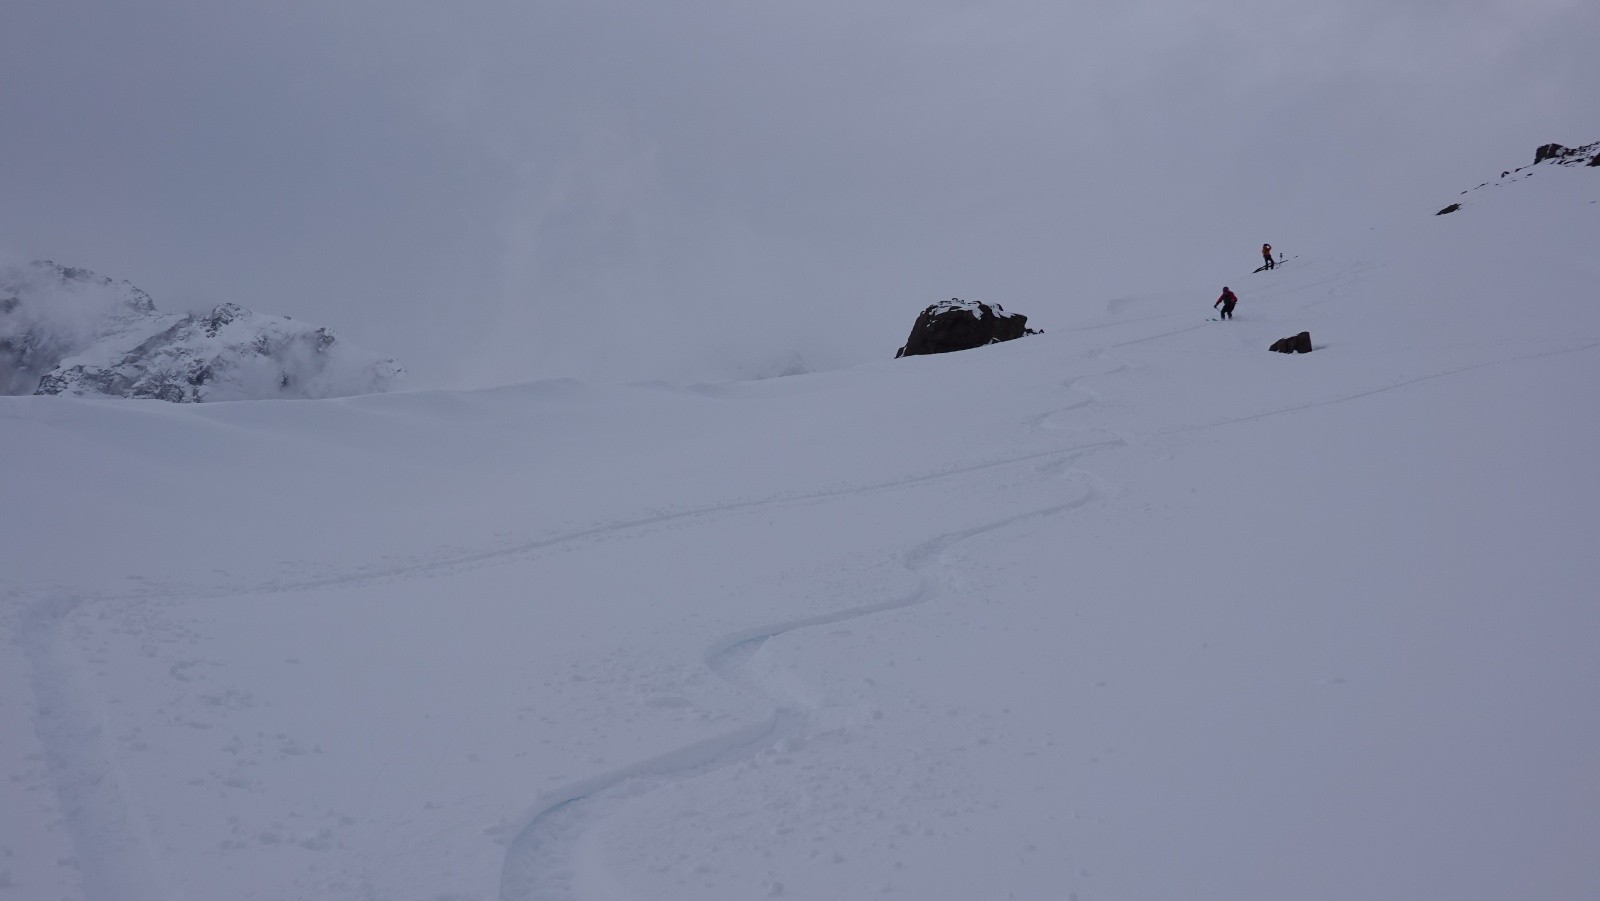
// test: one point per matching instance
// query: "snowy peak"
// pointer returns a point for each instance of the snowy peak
(79, 279)
(49, 311)
(228, 354)
(65, 330)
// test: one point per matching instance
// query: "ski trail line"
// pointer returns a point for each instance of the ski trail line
(115, 858)
(544, 858)
(1394, 386)
(452, 564)
(100, 812)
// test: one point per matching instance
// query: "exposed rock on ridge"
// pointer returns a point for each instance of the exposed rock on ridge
(1587, 155)
(1544, 156)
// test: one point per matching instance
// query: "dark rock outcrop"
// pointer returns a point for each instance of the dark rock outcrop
(1449, 209)
(958, 324)
(1548, 152)
(1568, 156)
(1296, 344)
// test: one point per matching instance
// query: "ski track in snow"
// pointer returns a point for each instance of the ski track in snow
(113, 845)
(549, 859)
(115, 859)
(546, 860)
(453, 563)
(1392, 386)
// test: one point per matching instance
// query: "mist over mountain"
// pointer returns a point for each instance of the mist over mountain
(66, 330)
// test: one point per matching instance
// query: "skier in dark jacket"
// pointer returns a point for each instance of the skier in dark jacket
(1226, 301)
(1266, 253)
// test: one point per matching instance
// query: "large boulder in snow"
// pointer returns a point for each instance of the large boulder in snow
(958, 324)
(68, 331)
(1295, 344)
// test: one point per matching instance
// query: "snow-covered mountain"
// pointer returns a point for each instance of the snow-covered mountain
(65, 330)
(1132, 609)
(50, 312)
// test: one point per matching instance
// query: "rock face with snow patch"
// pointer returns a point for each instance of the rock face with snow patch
(67, 331)
(1587, 155)
(958, 324)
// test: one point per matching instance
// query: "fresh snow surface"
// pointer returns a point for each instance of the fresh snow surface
(1129, 610)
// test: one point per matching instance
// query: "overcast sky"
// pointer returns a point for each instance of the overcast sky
(495, 191)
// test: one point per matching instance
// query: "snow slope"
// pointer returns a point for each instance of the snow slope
(1167, 616)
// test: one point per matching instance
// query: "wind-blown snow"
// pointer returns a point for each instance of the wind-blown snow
(1131, 609)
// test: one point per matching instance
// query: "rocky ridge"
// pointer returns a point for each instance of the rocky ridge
(1544, 156)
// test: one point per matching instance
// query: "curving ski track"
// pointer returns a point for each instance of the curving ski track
(545, 859)
(102, 818)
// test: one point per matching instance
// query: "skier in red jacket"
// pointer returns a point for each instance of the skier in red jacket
(1226, 301)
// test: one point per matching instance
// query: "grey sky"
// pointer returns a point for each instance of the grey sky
(494, 191)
